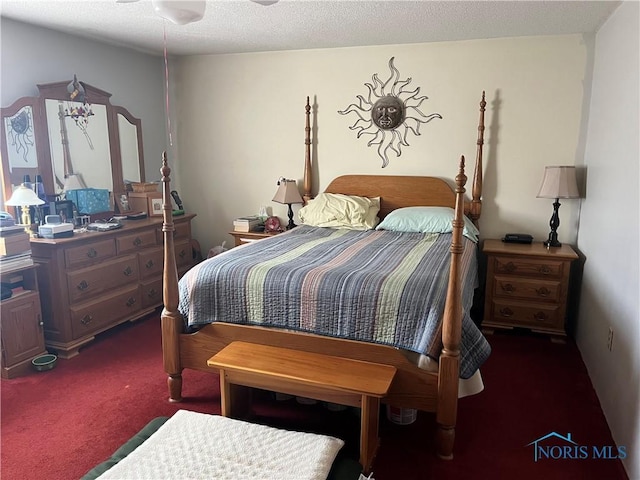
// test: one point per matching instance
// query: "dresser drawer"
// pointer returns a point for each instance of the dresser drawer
(92, 316)
(529, 315)
(527, 289)
(182, 230)
(547, 268)
(135, 241)
(184, 254)
(151, 262)
(85, 283)
(90, 253)
(151, 293)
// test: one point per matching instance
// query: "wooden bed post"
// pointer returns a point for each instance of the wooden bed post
(449, 365)
(307, 184)
(171, 319)
(476, 191)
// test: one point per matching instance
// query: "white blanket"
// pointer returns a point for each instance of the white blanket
(194, 445)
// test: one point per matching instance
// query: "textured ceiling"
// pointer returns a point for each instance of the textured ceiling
(234, 26)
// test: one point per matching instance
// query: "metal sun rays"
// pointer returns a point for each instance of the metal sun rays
(390, 106)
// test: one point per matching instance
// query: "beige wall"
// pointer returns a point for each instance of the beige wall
(241, 124)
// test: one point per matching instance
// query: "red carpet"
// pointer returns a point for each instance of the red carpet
(59, 424)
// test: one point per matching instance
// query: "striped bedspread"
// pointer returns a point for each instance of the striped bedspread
(374, 286)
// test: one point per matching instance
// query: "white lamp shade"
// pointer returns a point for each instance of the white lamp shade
(24, 197)
(287, 192)
(559, 182)
(180, 12)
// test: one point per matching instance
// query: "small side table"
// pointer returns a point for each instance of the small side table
(248, 237)
(527, 287)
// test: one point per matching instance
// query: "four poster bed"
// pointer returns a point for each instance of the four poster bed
(413, 386)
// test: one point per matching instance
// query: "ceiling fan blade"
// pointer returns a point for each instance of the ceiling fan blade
(266, 3)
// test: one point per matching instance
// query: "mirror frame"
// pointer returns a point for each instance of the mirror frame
(15, 176)
(58, 91)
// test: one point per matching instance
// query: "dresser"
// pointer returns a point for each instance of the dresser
(527, 287)
(21, 327)
(95, 280)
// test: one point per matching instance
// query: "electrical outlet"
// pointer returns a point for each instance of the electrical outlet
(610, 339)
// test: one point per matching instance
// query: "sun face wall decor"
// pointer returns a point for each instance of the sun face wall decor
(389, 107)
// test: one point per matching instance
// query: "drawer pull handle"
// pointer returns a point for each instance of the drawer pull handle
(131, 302)
(540, 316)
(182, 254)
(543, 291)
(86, 320)
(127, 271)
(506, 312)
(149, 264)
(152, 293)
(545, 270)
(507, 287)
(137, 242)
(91, 253)
(510, 267)
(83, 285)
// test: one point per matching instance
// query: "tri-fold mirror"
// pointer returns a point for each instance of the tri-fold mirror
(78, 140)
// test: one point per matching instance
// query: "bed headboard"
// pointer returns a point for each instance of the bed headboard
(397, 191)
(402, 191)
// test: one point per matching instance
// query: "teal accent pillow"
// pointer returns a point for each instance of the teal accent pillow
(426, 220)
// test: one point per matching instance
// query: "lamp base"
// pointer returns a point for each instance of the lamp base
(290, 225)
(551, 243)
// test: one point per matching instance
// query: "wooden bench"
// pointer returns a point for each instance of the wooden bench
(321, 377)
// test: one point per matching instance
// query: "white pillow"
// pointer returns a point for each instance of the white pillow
(336, 210)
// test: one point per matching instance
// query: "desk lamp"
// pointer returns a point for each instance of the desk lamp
(288, 194)
(557, 183)
(24, 198)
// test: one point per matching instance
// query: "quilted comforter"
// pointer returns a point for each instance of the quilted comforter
(373, 286)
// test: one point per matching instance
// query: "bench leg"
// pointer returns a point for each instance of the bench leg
(369, 418)
(235, 400)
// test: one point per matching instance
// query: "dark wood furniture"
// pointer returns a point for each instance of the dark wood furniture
(248, 237)
(412, 387)
(527, 287)
(21, 327)
(322, 377)
(96, 280)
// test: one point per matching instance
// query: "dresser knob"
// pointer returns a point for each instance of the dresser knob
(86, 320)
(182, 253)
(149, 264)
(510, 267)
(540, 316)
(83, 285)
(152, 293)
(506, 312)
(545, 270)
(91, 253)
(131, 302)
(543, 291)
(127, 271)
(507, 287)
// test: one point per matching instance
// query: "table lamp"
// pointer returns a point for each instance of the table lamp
(558, 182)
(288, 194)
(24, 198)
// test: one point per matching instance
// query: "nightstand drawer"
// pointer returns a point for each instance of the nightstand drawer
(527, 289)
(529, 315)
(528, 267)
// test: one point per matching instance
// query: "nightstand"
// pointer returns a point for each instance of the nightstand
(248, 237)
(527, 287)
(22, 328)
